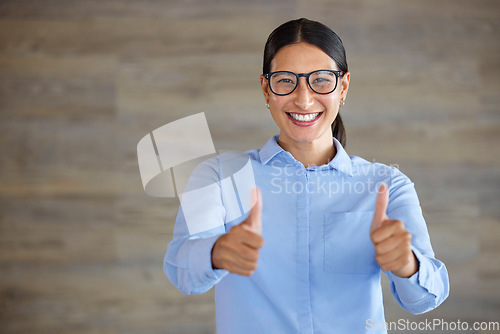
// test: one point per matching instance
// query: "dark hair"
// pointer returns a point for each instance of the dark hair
(314, 33)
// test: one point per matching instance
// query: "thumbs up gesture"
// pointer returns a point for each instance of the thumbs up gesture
(391, 240)
(238, 250)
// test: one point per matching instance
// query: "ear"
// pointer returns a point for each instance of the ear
(265, 87)
(344, 85)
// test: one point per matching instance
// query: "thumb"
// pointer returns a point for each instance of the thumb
(381, 204)
(254, 219)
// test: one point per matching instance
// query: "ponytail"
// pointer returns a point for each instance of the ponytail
(338, 130)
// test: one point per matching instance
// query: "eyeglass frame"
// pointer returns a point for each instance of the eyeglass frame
(338, 74)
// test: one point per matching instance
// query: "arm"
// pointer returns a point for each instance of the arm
(187, 262)
(201, 253)
(419, 282)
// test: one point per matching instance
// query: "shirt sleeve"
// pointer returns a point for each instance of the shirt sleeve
(429, 286)
(199, 223)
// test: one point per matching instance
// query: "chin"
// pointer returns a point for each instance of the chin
(303, 137)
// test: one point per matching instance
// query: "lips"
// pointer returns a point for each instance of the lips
(300, 119)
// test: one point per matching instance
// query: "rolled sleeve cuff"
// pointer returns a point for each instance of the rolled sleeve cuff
(201, 257)
(417, 287)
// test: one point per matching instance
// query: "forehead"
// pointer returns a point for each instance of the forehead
(302, 58)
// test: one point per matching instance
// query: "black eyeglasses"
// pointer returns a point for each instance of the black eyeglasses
(321, 81)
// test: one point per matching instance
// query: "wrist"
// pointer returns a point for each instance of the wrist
(213, 256)
(408, 270)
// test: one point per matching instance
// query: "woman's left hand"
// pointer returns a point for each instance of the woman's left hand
(391, 240)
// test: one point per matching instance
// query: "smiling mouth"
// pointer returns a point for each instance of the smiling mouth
(304, 117)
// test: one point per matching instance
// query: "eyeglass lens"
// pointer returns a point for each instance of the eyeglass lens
(322, 82)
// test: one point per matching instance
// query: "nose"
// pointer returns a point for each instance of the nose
(304, 96)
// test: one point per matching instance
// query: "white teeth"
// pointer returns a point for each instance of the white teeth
(304, 118)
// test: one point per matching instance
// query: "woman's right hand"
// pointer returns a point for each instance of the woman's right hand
(238, 250)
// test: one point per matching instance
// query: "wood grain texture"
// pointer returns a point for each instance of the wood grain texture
(81, 82)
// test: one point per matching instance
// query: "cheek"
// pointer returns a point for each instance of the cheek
(331, 102)
(275, 110)
(278, 101)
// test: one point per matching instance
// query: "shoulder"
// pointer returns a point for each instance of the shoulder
(254, 154)
(390, 174)
(225, 163)
(360, 164)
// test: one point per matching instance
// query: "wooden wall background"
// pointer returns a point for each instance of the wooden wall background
(81, 245)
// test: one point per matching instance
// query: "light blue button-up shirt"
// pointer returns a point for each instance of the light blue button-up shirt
(317, 271)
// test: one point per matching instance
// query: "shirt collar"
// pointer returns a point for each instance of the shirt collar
(341, 161)
(269, 150)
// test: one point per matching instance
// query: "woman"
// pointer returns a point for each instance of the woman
(308, 257)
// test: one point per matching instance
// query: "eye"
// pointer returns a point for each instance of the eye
(285, 81)
(321, 80)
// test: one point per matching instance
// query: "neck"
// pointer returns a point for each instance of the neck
(315, 153)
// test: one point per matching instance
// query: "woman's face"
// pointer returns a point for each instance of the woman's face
(304, 58)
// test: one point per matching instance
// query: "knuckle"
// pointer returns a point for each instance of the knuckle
(247, 272)
(408, 248)
(231, 269)
(409, 256)
(221, 243)
(227, 244)
(375, 236)
(396, 225)
(242, 254)
(249, 254)
(261, 242)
